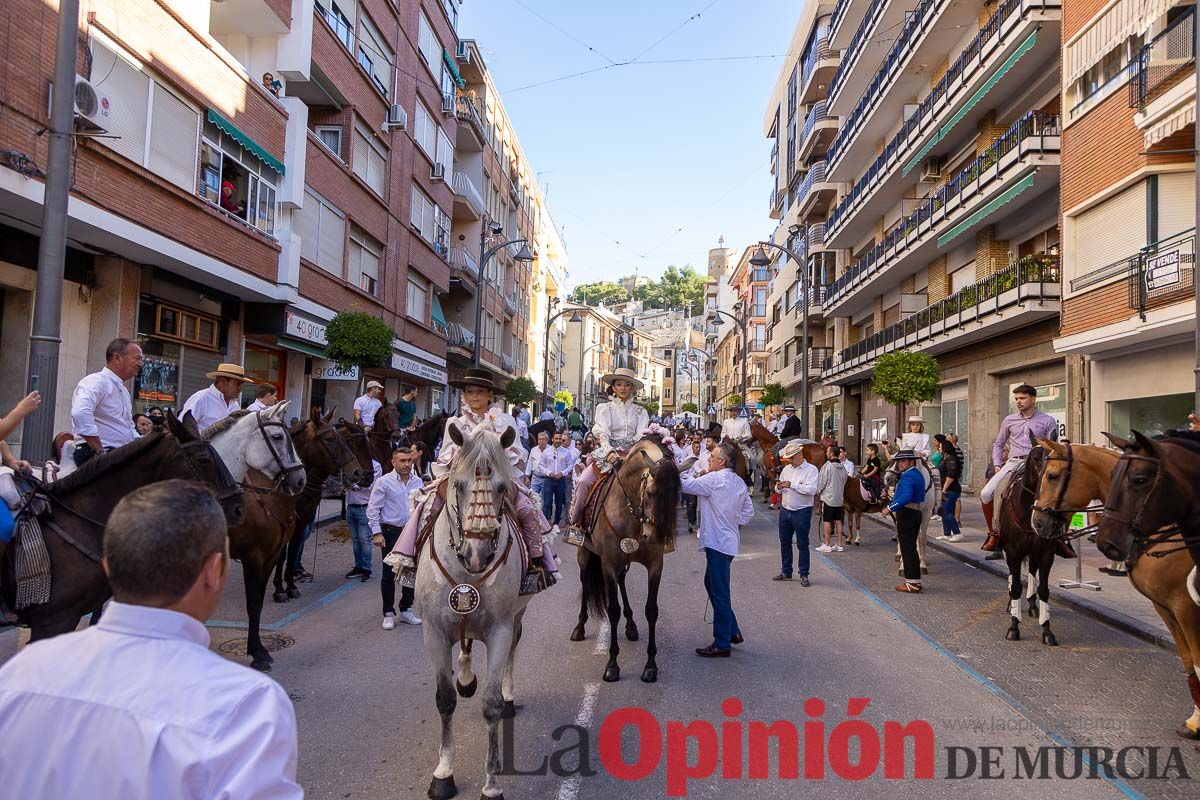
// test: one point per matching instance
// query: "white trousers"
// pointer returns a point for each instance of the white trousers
(999, 482)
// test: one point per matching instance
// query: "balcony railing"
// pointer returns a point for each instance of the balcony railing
(818, 113)
(817, 49)
(464, 187)
(758, 310)
(851, 53)
(816, 174)
(972, 58)
(461, 258)
(815, 237)
(839, 11)
(465, 109)
(1033, 278)
(441, 327)
(1163, 273)
(777, 199)
(817, 295)
(961, 188)
(817, 357)
(458, 336)
(760, 276)
(1161, 61)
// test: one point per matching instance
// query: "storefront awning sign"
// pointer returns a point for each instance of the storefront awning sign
(305, 329)
(328, 371)
(416, 368)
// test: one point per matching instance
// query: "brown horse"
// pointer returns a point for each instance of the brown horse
(638, 508)
(855, 506)
(1149, 501)
(764, 463)
(78, 506)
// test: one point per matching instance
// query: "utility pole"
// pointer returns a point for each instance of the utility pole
(45, 339)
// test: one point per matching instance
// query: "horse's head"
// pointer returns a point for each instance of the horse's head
(478, 489)
(650, 482)
(196, 459)
(1065, 486)
(359, 443)
(325, 452)
(1138, 503)
(261, 440)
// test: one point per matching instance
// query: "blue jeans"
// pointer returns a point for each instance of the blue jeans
(360, 536)
(949, 523)
(716, 583)
(554, 498)
(299, 554)
(794, 523)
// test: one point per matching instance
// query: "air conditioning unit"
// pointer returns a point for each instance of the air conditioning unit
(397, 118)
(93, 108)
(931, 170)
(438, 173)
(463, 52)
(447, 104)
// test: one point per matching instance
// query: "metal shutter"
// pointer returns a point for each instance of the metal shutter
(332, 241)
(1109, 232)
(174, 128)
(129, 90)
(194, 365)
(1176, 203)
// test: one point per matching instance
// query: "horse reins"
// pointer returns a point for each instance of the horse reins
(1058, 511)
(284, 470)
(1141, 538)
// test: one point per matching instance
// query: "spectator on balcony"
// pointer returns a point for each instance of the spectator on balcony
(271, 85)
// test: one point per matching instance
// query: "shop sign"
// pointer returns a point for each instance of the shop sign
(329, 371)
(1162, 272)
(431, 374)
(304, 328)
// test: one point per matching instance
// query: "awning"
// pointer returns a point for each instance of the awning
(302, 347)
(1110, 29)
(1173, 123)
(245, 141)
(436, 311)
(1006, 196)
(458, 78)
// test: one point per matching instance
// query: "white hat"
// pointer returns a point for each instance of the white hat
(791, 449)
(623, 374)
(916, 418)
(374, 385)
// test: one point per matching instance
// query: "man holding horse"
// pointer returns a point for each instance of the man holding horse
(214, 403)
(101, 406)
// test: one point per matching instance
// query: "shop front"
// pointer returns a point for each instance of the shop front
(424, 370)
(1150, 391)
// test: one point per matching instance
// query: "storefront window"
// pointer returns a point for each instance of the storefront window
(158, 382)
(1149, 415)
(954, 420)
(878, 431)
(437, 401)
(263, 366)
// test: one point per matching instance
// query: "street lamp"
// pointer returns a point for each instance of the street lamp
(485, 255)
(742, 320)
(760, 259)
(554, 301)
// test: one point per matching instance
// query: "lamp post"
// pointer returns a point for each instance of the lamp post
(485, 255)
(742, 321)
(554, 301)
(760, 259)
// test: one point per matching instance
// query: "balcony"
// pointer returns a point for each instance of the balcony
(1004, 56)
(467, 112)
(818, 132)
(1021, 294)
(816, 362)
(763, 275)
(459, 340)
(1160, 84)
(506, 363)
(510, 305)
(816, 192)
(441, 327)
(847, 16)
(468, 203)
(814, 237)
(1024, 160)
(464, 268)
(817, 68)
(880, 19)
(758, 311)
(778, 198)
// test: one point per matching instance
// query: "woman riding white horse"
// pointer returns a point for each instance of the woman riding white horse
(478, 390)
(617, 425)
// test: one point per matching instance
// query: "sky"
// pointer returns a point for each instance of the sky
(644, 165)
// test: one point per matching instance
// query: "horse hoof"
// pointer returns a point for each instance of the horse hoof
(1013, 634)
(650, 675)
(510, 709)
(280, 597)
(1184, 732)
(612, 674)
(631, 632)
(577, 634)
(469, 689)
(293, 592)
(1049, 638)
(261, 664)
(442, 788)
(1033, 609)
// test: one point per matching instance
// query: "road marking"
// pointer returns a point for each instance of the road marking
(568, 789)
(602, 637)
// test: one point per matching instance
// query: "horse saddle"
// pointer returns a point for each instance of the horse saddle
(593, 502)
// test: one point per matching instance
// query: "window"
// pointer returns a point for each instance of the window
(364, 261)
(322, 231)
(445, 152)
(154, 128)
(340, 16)
(1099, 80)
(425, 131)
(430, 221)
(448, 84)
(374, 55)
(186, 326)
(451, 9)
(236, 181)
(427, 43)
(370, 160)
(331, 137)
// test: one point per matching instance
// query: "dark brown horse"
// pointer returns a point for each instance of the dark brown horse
(425, 438)
(78, 506)
(764, 463)
(639, 507)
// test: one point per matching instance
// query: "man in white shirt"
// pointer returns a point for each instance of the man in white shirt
(137, 706)
(218, 401)
(554, 467)
(357, 498)
(387, 511)
(265, 396)
(368, 405)
(101, 409)
(736, 428)
(797, 487)
(725, 507)
(536, 455)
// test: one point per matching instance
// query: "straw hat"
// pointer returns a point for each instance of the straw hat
(915, 418)
(623, 374)
(792, 448)
(235, 371)
(374, 385)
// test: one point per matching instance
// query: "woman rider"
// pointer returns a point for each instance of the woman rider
(478, 391)
(616, 425)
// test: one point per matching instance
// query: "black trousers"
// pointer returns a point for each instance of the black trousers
(908, 528)
(387, 578)
(689, 501)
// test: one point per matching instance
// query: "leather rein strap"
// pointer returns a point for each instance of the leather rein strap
(462, 622)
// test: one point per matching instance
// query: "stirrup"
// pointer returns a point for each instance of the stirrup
(574, 535)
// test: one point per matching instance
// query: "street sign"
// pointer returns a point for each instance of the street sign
(712, 409)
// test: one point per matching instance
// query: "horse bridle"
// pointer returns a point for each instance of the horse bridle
(639, 513)
(1057, 510)
(1142, 538)
(284, 470)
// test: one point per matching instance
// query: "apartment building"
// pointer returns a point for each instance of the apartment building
(1128, 212)
(938, 196)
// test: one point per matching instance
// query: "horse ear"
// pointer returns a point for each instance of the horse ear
(1145, 444)
(1046, 444)
(508, 437)
(329, 416)
(456, 436)
(186, 430)
(173, 424)
(1117, 441)
(280, 409)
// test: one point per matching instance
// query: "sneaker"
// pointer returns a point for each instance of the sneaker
(407, 616)
(941, 538)
(935, 518)
(823, 548)
(957, 537)
(354, 573)
(838, 549)
(364, 576)
(389, 621)
(804, 581)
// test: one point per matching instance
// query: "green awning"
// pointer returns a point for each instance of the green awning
(436, 311)
(458, 78)
(302, 347)
(974, 219)
(948, 126)
(245, 141)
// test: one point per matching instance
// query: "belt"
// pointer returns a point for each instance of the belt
(356, 505)
(393, 527)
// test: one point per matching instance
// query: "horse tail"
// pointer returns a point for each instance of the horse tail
(595, 592)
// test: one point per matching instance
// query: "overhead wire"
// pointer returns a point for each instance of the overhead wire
(565, 32)
(673, 31)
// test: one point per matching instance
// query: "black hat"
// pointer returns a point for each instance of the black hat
(905, 455)
(476, 377)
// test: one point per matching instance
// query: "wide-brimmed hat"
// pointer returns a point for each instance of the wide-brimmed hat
(477, 377)
(904, 455)
(789, 408)
(235, 371)
(791, 449)
(374, 385)
(915, 418)
(733, 407)
(622, 374)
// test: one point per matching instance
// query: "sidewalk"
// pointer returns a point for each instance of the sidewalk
(1117, 602)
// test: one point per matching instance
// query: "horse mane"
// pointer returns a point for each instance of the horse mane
(664, 471)
(479, 445)
(222, 425)
(99, 464)
(1189, 440)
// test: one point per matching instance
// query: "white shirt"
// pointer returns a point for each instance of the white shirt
(735, 428)
(555, 460)
(257, 405)
(209, 406)
(725, 507)
(618, 424)
(359, 496)
(535, 457)
(803, 490)
(776, 426)
(466, 421)
(101, 407)
(917, 442)
(139, 707)
(389, 500)
(367, 407)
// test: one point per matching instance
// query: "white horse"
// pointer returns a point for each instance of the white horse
(468, 589)
(891, 477)
(258, 440)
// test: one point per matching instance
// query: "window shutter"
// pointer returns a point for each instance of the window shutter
(173, 139)
(377, 170)
(1176, 203)
(361, 148)
(307, 224)
(129, 89)
(332, 241)
(1111, 231)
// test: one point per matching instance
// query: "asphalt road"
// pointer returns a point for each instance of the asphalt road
(368, 726)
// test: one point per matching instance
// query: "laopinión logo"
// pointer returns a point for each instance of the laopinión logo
(853, 750)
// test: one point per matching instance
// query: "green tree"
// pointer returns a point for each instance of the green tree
(678, 288)
(689, 407)
(358, 339)
(735, 399)
(593, 294)
(905, 376)
(520, 390)
(772, 394)
(651, 406)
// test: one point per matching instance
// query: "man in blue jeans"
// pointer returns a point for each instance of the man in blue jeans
(797, 488)
(725, 507)
(553, 469)
(357, 498)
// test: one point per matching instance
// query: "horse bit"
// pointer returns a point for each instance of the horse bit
(284, 470)
(1141, 538)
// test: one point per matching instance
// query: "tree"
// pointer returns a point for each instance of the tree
(593, 294)
(520, 390)
(678, 288)
(651, 406)
(357, 339)
(735, 399)
(905, 376)
(772, 394)
(689, 407)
